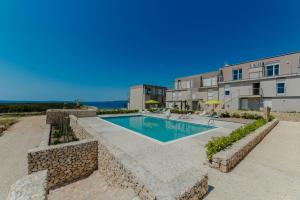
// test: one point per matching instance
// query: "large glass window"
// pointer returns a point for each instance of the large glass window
(280, 88)
(272, 70)
(237, 74)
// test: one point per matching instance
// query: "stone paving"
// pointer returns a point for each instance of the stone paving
(14, 144)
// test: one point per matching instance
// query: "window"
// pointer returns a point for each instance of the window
(174, 95)
(206, 82)
(237, 74)
(148, 90)
(272, 70)
(188, 84)
(227, 90)
(209, 81)
(210, 94)
(280, 88)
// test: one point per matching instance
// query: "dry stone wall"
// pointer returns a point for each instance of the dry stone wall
(229, 158)
(78, 130)
(65, 162)
(55, 116)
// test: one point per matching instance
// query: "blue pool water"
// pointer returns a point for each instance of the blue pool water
(159, 129)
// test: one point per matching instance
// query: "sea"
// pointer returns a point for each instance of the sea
(99, 104)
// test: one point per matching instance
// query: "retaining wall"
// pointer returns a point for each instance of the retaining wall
(78, 130)
(55, 116)
(65, 162)
(227, 159)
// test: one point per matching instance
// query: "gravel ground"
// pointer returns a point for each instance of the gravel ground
(14, 144)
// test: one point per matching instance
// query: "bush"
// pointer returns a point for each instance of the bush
(235, 115)
(242, 115)
(176, 111)
(225, 114)
(117, 111)
(220, 143)
(33, 107)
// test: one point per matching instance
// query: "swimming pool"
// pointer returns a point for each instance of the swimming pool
(163, 130)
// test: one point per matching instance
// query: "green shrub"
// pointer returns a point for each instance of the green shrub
(235, 115)
(33, 107)
(116, 111)
(177, 111)
(225, 114)
(220, 143)
(55, 142)
(58, 134)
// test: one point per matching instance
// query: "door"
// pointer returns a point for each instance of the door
(244, 104)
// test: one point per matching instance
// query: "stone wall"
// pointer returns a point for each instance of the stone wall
(46, 136)
(78, 130)
(117, 173)
(33, 187)
(65, 162)
(227, 159)
(281, 116)
(55, 116)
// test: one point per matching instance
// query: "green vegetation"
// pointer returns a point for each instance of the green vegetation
(177, 111)
(220, 143)
(242, 115)
(116, 111)
(62, 133)
(7, 121)
(34, 107)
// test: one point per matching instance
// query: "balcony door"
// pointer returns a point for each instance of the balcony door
(256, 89)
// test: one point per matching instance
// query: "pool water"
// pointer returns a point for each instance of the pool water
(163, 130)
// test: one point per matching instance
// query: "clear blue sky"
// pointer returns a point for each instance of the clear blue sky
(94, 50)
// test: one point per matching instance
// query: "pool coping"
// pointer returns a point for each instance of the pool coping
(152, 139)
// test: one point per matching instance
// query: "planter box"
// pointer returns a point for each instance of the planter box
(227, 159)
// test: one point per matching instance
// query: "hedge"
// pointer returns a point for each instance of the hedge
(218, 144)
(117, 111)
(242, 115)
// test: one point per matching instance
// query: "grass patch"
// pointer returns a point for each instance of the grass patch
(7, 121)
(218, 144)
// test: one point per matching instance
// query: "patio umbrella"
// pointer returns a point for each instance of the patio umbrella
(152, 102)
(213, 102)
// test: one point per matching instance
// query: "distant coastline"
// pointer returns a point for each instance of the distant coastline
(99, 104)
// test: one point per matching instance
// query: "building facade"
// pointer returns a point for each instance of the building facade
(252, 85)
(139, 94)
(190, 91)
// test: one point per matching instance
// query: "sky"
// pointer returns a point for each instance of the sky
(95, 50)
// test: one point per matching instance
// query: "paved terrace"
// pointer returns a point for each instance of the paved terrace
(171, 167)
